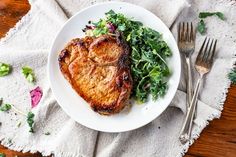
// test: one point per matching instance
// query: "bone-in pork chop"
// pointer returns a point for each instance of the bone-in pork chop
(98, 70)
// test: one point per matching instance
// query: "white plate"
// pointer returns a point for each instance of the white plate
(75, 106)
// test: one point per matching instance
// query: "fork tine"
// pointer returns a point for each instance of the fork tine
(187, 33)
(200, 54)
(206, 50)
(191, 33)
(179, 29)
(182, 31)
(213, 52)
(210, 50)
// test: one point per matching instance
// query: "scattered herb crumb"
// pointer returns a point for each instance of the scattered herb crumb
(9, 141)
(2, 155)
(47, 133)
(28, 73)
(29, 116)
(1, 100)
(30, 121)
(232, 76)
(5, 107)
(5, 69)
(18, 124)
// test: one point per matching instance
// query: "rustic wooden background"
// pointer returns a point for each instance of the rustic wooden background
(217, 140)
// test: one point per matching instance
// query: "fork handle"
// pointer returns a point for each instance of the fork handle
(187, 125)
(189, 81)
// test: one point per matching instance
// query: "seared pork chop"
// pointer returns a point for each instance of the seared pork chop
(98, 70)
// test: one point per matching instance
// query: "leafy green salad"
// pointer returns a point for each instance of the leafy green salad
(149, 52)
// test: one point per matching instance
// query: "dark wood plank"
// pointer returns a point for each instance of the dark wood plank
(11, 11)
(10, 153)
(217, 140)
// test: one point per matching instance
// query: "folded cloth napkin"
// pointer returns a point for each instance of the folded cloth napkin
(28, 44)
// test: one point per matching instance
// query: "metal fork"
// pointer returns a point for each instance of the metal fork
(186, 43)
(203, 65)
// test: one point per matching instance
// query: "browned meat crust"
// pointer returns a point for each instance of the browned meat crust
(98, 70)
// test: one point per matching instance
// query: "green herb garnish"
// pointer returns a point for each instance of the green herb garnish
(148, 54)
(232, 76)
(5, 107)
(5, 69)
(29, 115)
(30, 121)
(1, 100)
(28, 73)
(203, 15)
(2, 155)
(47, 133)
(9, 141)
(201, 27)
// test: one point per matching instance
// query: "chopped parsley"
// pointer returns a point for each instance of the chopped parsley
(28, 73)
(5, 107)
(5, 69)
(18, 124)
(148, 56)
(30, 121)
(232, 76)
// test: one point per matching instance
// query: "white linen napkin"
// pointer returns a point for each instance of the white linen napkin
(28, 44)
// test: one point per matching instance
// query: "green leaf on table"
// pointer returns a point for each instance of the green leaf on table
(5, 107)
(30, 121)
(203, 15)
(5, 69)
(9, 141)
(201, 27)
(232, 76)
(1, 100)
(47, 133)
(28, 73)
(2, 155)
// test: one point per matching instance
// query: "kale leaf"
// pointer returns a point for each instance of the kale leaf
(30, 121)
(28, 73)
(232, 76)
(201, 27)
(203, 15)
(5, 69)
(5, 107)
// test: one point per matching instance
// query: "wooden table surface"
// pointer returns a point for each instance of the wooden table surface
(217, 140)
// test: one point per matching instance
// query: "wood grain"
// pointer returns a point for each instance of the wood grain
(217, 140)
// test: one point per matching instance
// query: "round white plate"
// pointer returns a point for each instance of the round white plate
(75, 106)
